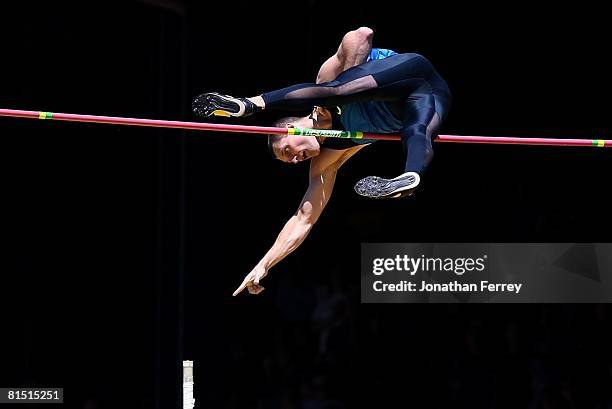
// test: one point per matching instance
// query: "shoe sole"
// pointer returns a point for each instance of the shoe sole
(375, 187)
(218, 105)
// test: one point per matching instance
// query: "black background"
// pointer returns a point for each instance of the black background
(123, 245)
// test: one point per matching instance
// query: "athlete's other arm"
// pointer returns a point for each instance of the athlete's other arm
(353, 50)
(322, 176)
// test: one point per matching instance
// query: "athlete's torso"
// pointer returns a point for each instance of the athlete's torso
(371, 116)
(366, 116)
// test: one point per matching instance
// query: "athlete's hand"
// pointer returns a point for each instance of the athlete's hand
(251, 281)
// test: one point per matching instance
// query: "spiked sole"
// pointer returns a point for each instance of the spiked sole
(218, 105)
(378, 188)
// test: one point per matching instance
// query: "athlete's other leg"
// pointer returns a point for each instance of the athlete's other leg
(421, 123)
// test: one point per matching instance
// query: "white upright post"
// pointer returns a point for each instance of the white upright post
(188, 400)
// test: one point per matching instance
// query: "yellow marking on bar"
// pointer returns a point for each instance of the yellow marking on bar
(291, 131)
(600, 143)
(44, 115)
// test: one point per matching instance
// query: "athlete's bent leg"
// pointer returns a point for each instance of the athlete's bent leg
(391, 79)
(421, 123)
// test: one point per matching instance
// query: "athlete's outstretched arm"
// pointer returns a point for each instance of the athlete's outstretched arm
(297, 228)
(353, 50)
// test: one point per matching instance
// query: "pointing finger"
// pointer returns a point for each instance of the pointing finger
(245, 282)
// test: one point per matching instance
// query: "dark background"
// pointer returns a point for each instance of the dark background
(123, 245)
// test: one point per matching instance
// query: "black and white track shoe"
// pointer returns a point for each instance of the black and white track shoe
(376, 187)
(212, 103)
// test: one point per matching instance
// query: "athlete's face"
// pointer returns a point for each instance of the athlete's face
(296, 148)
